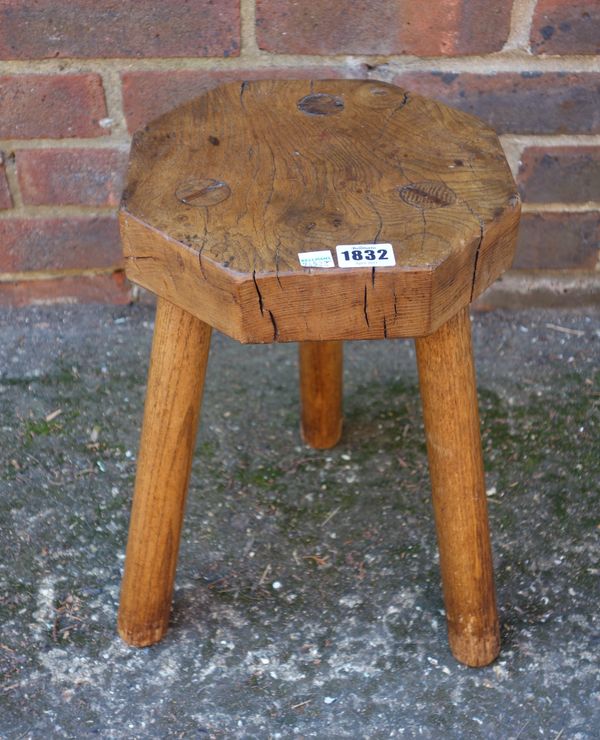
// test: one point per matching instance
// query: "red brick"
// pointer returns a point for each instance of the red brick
(560, 174)
(51, 106)
(59, 244)
(30, 29)
(5, 197)
(147, 95)
(566, 27)
(112, 289)
(438, 27)
(558, 241)
(526, 103)
(91, 177)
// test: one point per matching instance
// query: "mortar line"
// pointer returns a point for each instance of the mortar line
(561, 207)
(511, 60)
(45, 212)
(39, 275)
(113, 93)
(119, 142)
(10, 170)
(550, 140)
(534, 287)
(249, 47)
(513, 151)
(521, 21)
(122, 141)
(512, 278)
(515, 144)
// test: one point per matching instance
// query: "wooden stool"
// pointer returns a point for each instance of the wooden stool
(314, 212)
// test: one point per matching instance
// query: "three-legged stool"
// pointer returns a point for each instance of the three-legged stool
(314, 212)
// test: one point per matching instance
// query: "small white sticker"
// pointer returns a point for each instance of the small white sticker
(324, 258)
(365, 255)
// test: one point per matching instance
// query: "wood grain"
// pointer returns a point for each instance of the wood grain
(175, 382)
(321, 370)
(450, 411)
(224, 192)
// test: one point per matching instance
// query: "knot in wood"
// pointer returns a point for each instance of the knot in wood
(320, 104)
(427, 194)
(195, 191)
(378, 91)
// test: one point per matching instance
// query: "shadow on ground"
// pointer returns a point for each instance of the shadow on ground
(308, 600)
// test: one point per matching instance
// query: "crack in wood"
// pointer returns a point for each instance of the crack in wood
(200, 262)
(365, 307)
(243, 88)
(391, 114)
(275, 329)
(204, 238)
(272, 190)
(478, 248)
(476, 260)
(401, 104)
(379, 217)
(258, 293)
(296, 157)
(277, 256)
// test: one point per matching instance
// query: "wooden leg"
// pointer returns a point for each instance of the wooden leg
(175, 383)
(449, 396)
(321, 366)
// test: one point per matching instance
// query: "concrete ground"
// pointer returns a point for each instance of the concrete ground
(308, 601)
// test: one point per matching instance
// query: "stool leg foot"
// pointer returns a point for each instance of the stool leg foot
(175, 383)
(449, 395)
(321, 366)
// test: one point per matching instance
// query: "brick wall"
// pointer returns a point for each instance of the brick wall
(77, 77)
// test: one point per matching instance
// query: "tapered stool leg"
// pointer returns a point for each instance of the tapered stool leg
(175, 383)
(321, 367)
(449, 396)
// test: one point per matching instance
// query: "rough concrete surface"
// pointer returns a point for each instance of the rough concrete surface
(308, 601)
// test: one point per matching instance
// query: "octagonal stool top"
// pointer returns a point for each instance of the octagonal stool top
(305, 210)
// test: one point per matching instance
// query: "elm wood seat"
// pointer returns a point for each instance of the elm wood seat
(222, 195)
